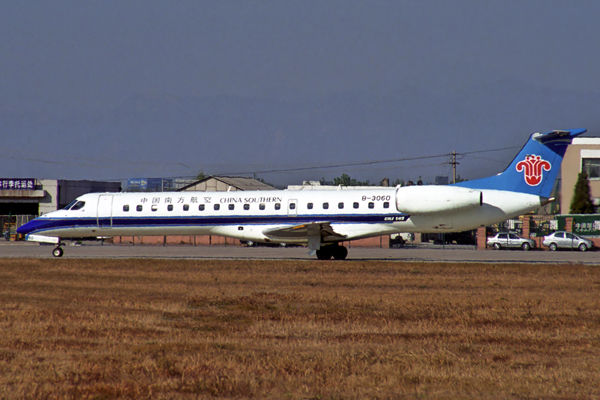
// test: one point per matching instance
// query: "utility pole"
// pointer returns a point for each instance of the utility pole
(454, 164)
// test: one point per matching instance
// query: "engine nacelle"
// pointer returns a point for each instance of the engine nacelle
(435, 199)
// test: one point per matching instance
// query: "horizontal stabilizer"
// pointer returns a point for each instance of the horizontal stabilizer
(557, 135)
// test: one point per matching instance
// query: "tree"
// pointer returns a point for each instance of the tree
(582, 202)
(346, 180)
(201, 176)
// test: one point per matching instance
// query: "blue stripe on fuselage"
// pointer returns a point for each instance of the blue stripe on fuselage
(46, 224)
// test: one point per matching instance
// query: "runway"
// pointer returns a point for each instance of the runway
(448, 253)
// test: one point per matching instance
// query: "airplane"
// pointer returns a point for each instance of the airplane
(318, 219)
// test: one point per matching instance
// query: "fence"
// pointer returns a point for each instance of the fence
(10, 223)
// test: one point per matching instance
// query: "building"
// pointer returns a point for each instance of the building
(582, 155)
(226, 184)
(316, 185)
(149, 185)
(41, 196)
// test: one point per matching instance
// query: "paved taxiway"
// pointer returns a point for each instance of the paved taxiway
(421, 253)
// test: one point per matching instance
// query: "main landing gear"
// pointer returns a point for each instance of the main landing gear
(57, 252)
(336, 251)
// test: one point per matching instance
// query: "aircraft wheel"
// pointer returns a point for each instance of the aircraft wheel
(324, 253)
(340, 253)
(57, 252)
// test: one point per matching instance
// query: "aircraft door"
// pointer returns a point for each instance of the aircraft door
(292, 207)
(105, 203)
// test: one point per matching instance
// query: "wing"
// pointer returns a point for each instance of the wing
(313, 232)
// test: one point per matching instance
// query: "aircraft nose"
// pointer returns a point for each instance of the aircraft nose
(32, 226)
(25, 229)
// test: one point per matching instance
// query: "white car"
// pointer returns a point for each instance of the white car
(508, 240)
(567, 240)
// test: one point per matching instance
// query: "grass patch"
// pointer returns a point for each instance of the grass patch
(297, 329)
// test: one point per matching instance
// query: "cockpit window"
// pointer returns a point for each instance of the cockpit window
(71, 204)
(75, 205)
(78, 206)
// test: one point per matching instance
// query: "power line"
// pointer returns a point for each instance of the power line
(263, 171)
(365, 162)
(362, 163)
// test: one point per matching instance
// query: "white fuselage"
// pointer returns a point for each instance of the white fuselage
(257, 215)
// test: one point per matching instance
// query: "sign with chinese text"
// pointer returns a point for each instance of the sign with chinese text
(585, 225)
(17, 184)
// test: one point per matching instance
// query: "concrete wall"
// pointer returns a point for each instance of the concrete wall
(212, 240)
(59, 193)
(191, 240)
(49, 202)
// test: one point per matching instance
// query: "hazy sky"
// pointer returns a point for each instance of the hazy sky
(90, 56)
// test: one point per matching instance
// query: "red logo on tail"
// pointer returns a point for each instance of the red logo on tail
(533, 166)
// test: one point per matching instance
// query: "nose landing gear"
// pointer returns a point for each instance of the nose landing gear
(57, 252)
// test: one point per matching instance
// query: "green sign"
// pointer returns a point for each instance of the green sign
(583, 224)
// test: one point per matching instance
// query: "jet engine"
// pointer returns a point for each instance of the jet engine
(436, 199)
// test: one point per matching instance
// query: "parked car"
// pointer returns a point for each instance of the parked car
(509, 240)
(399, 239)
(396, 240)
(566, 240)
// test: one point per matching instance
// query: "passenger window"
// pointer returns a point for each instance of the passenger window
(217, 207)
(201, 207)
(340, 205)
(371, 205)
(154, 207)
(309, 206)
(261, 206)
(569, 235)
(513, 236)
(170, 207)
(139, 208)
(325, 206)
(126, 208)
(559, 235)
(246, 206)
(277, 206)
(231, 207)
(355, 205)
(292, 206)
(502, 236)
(186, 207)
(386, 204)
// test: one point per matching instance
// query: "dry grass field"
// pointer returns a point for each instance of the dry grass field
(104, 329)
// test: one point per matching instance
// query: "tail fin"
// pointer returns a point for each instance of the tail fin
(534, 169)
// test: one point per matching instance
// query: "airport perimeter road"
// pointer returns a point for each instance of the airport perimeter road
(421, 253)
